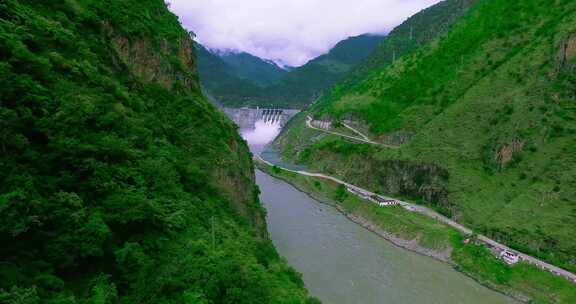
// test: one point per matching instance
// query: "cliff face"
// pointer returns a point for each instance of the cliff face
(173, 66)
(567, 51)
(153, 65)
(119, 182)
(413, 180)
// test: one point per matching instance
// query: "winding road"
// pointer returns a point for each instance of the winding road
(433, 214)
(363, 137)
(355, 131)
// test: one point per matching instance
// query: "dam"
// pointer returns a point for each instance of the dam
(246, 118)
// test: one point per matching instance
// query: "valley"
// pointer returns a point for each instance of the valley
(450, 130)
(417, 228)
(482, 158)
(274, 86)
(342, 262)
(297, 152)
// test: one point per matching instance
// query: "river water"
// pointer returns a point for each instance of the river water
(342, 262)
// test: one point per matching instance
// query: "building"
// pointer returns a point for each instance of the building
(322, 124)
(508, 257)
(358, 192)
(382, 202)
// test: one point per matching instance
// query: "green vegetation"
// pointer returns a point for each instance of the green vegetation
(472, 49)
(416, 32)
(304, 84)
(495, 131)
(521, 281)
(254, 69)
(295, 89)
(221, 81)
(486, 116)
(540, 286)
(119, 183)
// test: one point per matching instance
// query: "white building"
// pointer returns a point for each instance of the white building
(382, 202)
(508, 257)
(322, 124)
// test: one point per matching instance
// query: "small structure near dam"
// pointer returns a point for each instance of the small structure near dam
(246, 118)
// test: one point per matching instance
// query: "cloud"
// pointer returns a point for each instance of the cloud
(289, 32)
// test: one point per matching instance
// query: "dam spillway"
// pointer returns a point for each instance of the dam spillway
(246, 118)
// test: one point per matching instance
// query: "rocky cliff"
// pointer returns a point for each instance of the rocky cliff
(119, 182)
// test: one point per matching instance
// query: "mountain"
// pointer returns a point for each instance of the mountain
(414, 33)
(483, 120)
(220, 81)
(119, 182)
(237, 80)
(254, 69)
(304, 84)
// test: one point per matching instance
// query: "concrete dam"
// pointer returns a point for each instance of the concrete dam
(246, 118)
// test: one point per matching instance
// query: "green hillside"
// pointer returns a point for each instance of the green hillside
(303, 85)
(221, 81)
(295, 89)
(417, 31)
(485, 120)
(254, 69)
(119, 183)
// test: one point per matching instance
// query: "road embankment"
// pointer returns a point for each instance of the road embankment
(433, 237)
(413, 245)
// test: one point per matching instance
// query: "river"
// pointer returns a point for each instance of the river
(342, 262)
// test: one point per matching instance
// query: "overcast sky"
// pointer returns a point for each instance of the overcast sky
(289, 32)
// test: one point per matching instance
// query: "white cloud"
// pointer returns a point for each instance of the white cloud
(289, 32)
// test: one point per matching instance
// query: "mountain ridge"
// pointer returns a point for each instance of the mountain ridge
(296, 88)
(115, 169)
(260, 71)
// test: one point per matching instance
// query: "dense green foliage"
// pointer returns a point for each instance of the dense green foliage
(537, 285)
(296, 89)
(221, 81)
(119, 183)
(252, 68)
(491, 103)
(304, 84)
(417, 31)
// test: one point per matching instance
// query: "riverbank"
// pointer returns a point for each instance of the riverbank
(425, 236)
(412, 245)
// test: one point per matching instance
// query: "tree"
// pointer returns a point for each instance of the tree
(341, 193)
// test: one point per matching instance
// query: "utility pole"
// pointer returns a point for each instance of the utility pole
(393, 56)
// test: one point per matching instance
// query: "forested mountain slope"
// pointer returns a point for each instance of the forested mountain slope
(485, 121)
(118, 181)
(259, 71)
(220, 81)
(415, 32)
(295, 89)
(304, 84)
